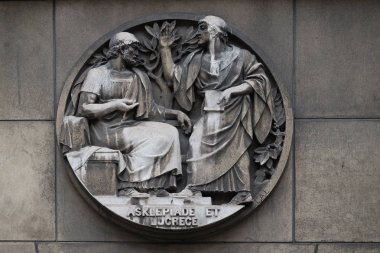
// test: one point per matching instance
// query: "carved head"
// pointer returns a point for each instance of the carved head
(126, 45)
(211, 27)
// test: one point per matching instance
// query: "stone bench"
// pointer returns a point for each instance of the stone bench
(100, 177)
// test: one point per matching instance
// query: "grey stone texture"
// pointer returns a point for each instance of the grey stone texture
(349, 248)
(169, 248)
(337, 59)
(337, 180)
(267, 23)
(27, 203)
(26, 65)
(13, 247)
(272, 221)
(77, 220)
(101, 178)
(337, 188)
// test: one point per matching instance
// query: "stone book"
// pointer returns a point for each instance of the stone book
(212, 98)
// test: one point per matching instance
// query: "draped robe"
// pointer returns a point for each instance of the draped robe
(151, 150)
(220, 139)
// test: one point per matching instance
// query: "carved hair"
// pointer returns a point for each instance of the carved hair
(118, 48)
(120, 41)
(125, 37)
(218, 25)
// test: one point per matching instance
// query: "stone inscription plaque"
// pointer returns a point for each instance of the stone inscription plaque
(174, 126)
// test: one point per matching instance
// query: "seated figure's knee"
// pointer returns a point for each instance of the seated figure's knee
(169, 135)
(168, 130)
(173, 131)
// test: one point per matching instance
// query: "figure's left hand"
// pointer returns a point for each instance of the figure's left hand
(226, 96)
(185, 122)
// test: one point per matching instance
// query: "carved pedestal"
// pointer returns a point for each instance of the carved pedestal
(100, 175)
(171, 212)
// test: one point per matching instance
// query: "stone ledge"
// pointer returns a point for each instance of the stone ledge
(169, 212)
(174, 248)
(17, 247)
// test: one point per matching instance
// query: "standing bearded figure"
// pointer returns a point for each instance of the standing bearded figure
(117, 101)
(238, 107)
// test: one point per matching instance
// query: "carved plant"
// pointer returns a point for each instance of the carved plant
(150, 48)
(266, 156)
(99, 58)
(184, 44)
(181, 46)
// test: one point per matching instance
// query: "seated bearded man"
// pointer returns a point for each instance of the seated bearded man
(116, 99)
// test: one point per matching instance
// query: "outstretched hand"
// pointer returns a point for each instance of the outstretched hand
(185, 122)
(166, 37)
(124, 104)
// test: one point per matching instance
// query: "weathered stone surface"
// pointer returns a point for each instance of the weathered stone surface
(26, 65)
(271, 221)
(100, 177)
(27, 181)
(169, 248)
(76, 219)
(337, 180)
(271, 31)
(349, 248)
(11, 247)
(267, 23)
(338, 57)
(193, 211)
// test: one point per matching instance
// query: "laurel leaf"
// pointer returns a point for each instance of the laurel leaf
(156, 29)
(151, 31)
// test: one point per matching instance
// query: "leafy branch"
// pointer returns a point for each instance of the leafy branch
(99, 58)
(150, 47)
(267, 155)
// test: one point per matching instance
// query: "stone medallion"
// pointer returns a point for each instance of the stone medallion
(173, 126)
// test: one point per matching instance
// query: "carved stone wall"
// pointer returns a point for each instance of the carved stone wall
(326, 53)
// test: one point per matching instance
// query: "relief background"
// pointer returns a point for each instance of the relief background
(326, 53)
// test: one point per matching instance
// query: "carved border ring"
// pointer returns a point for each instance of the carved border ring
(192, 233)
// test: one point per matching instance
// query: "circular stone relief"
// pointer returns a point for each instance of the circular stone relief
(173, 126)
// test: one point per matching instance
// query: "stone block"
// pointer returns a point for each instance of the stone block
(269, 24)
(26, 66)
(171, 212)
(338, 58)
(271, 221)
(17, 247)
(349, 248)
(169, 248)
(27, 181)
(76, 219)
(99, 176)
(337, 180)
